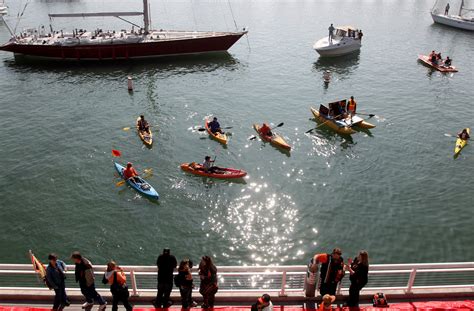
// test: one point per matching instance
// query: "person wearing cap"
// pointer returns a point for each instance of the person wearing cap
(55, 276)
(326, 302)
(215, 126)
(166, 264)
(331, 271)
(264, 303)
(85, 277)
(143, 125)
(130, 173)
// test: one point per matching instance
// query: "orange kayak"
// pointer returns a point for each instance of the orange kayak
(275, 140)
(222, 173)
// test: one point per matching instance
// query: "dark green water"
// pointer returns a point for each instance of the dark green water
(396, 191)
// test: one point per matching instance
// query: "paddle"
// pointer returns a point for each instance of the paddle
(223, 128)
(128, 128)
(365, 114)
(279, 125)
(309, 131)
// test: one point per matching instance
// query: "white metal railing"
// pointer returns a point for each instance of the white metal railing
(279, 280)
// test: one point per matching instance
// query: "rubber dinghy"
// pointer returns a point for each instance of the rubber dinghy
(223, 173)
(142, 187)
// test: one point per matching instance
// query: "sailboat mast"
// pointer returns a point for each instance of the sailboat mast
(146, 16)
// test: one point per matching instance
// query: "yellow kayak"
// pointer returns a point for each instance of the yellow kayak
(276, 140)
(147, 138)
(222, 138)
(460, 143)
(337, 125)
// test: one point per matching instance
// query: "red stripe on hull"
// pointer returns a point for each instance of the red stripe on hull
(126, 51)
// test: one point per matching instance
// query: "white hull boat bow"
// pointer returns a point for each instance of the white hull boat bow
(463, 20)
(341, 43)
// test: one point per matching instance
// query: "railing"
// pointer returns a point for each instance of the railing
(276, 280)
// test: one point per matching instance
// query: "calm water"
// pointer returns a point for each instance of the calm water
(396, 191)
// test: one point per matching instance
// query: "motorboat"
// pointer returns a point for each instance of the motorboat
(3, 8)
(346, 40)
(111, 45)
(463, 20)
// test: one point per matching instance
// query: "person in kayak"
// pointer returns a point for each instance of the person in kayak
(464, 135)
(129, 173)
(208, 167)
(143, 125)
(215, 126)
(265, 130)
(447, 61)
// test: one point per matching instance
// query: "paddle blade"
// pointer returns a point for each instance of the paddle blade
(448, 135)
(120, 183)
(126, 128)
(116, 153)
(148, 170)
(309, 131)
(279, 125)
(201, 129)
(252, 137)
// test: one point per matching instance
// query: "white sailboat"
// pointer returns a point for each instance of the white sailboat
(463, 20)
(3, 8)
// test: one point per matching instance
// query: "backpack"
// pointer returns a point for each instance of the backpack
(177, 280)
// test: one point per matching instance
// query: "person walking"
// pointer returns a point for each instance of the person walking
(208, 287)
(166, 264)
(332, 271)
(264, 303)
(184, 281)
(85, 277)
(331, 33)
(359, 271)
(55, 276)
(115, 277)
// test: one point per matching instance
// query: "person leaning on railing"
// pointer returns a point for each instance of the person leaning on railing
(115, 277)
(55, 279)
(332, 271)
(208, 276)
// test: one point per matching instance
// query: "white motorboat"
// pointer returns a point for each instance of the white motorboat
(346, 40)
(464, 19)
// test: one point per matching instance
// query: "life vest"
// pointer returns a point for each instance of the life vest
(127, 173)
(351, 106)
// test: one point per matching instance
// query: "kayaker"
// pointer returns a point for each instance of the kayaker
(265, 130)
(143, 125)
(208, 167)
(351, 106)
(447, 61)
(130, 173)
(215, 126)
(464, 135)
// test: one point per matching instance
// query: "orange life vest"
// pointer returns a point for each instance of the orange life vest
(265, 130)
(351, 106)
(121, 278)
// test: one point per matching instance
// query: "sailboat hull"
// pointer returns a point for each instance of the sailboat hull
(180, 46)
(453, 21)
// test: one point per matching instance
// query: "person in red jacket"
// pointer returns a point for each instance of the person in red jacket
(130, 173)
(265, 130)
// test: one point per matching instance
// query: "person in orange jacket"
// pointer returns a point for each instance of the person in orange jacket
(115, 277)
(265, 130)
(331, 272)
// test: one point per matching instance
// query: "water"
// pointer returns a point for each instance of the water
(395, 191)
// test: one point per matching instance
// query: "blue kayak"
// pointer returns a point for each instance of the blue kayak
(142, 187)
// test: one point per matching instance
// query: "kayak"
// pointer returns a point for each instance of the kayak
(222, 138)
(143, 187)
(426, 60)
(339, 126)
(359, 122)
(461, 143)
(144, 136)
(224, 173)
(275, 140)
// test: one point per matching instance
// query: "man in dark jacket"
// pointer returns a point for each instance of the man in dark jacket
(55, 275)
(332, 271)
(85, 276)
(166, 264)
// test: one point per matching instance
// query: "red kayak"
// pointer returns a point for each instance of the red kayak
(222, 172)
(426, 60)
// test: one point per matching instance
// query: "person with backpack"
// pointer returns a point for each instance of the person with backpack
(55, 276)
(208, 287)
(85, 277)
(184, 281)
(115, 277)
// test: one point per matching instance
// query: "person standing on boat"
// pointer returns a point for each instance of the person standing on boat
(360, 35)
(359, 271)
(332, 270)
(55, 276)
(166, 264)
(85, 277)
(331, 33)
(351, 106)
(446, 10)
